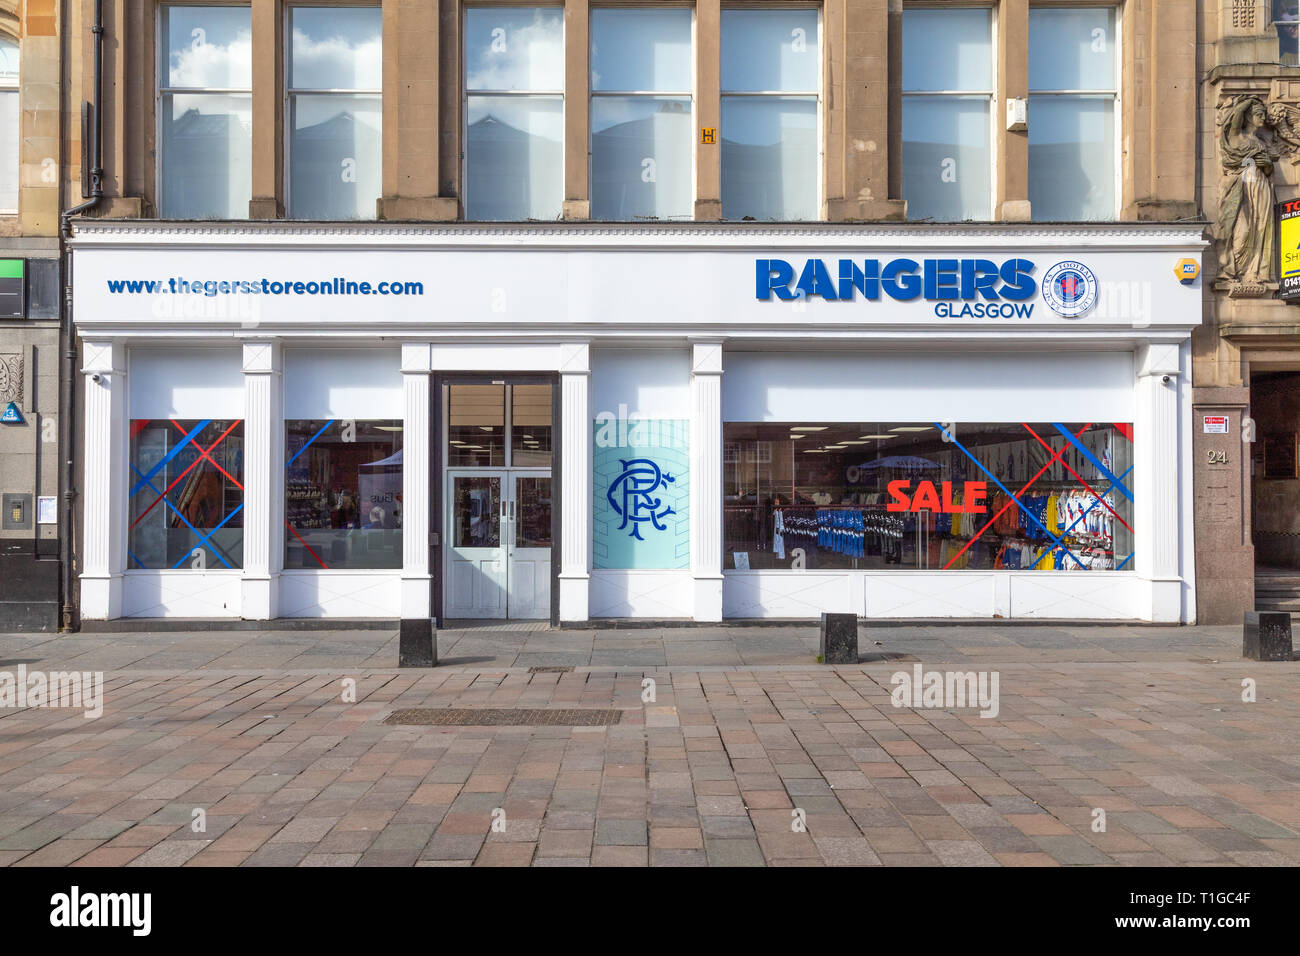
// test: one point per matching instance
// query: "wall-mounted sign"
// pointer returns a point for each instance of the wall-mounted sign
(13, 301)
(708, 135)
(641, 494)
(1288, 219)
(960, 288)
(11, 415)
(1215, 424)
(1186, 270)
(882, 282)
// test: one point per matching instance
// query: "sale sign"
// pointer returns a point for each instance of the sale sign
(928, 498)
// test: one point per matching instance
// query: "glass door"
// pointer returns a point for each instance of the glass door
(528, 517)
(476, 560)
(497, 545)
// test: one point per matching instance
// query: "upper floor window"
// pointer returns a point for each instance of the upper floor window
(1286, 19)
(9, 121)
(205, 104)
(335, 145)
(1073, 161)
(947, 155)
(771, 81)
(514, 113)
(641, 124)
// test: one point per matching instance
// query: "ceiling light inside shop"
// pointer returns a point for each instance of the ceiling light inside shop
(808, 428)
(814, 451)
(388, 428)
(486, 428)
(913, 428)
(833, 447)
(854, 442)
(878, 437)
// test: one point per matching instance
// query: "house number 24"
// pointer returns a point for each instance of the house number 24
(1216, 457)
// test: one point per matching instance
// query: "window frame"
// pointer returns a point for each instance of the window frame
(818, 95)
(1116, 91)
(993, 99)
(161, 58)
(466, 93)
(288, 91)
(16, 88)
(692, 94)
(507, 432)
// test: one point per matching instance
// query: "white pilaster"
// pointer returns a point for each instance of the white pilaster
(1157, 499)
(263, 480)
(103, 489)
(575, 472)
(706, 479)
(416, 368)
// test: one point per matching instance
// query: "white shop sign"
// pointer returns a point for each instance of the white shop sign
(749, 289)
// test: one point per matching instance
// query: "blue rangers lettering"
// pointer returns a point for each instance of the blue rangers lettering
(951, 284)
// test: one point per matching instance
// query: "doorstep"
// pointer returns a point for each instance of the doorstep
(135, 625)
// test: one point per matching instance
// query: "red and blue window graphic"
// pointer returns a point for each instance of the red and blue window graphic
(933, 496)
(343, 494)
(186, 494)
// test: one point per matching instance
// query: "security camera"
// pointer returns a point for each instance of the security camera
(97, 378)
(1165, 379)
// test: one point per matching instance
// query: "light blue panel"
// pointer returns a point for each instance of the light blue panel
(641, 494)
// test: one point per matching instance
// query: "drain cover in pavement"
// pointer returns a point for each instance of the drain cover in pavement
(502, 717)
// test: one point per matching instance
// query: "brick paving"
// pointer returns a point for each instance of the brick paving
(764, 758)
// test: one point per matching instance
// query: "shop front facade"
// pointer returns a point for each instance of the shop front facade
(691, 422)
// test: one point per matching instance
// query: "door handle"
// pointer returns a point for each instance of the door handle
(512, 509)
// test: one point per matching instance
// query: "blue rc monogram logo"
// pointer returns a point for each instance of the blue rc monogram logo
(641, 493)
(632, 495)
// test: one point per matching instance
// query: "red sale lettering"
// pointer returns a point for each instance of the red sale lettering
(927, 497)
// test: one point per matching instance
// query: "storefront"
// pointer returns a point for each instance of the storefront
(670, 422)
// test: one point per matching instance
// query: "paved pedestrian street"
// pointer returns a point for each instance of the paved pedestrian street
(226, 749)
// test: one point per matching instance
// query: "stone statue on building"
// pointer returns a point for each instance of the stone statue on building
(1248, 240)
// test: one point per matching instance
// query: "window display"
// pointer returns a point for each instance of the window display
(187, 495)
(939, 496)
(343, 494)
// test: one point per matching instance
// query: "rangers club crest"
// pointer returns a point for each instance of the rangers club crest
(1070, 289)
(636, 488)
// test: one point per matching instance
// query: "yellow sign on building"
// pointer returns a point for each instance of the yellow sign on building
(1288, 217)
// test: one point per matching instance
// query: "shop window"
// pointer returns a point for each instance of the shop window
(206, 105)
(514, 113)
(1072, 88)
(771, 81)
(335, 79)
(929, 496)
(641, 118)
(947, 87)
(343, 494)
(186, 485)
(9, 123)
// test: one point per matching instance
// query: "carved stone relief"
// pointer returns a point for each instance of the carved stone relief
(11, 377)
